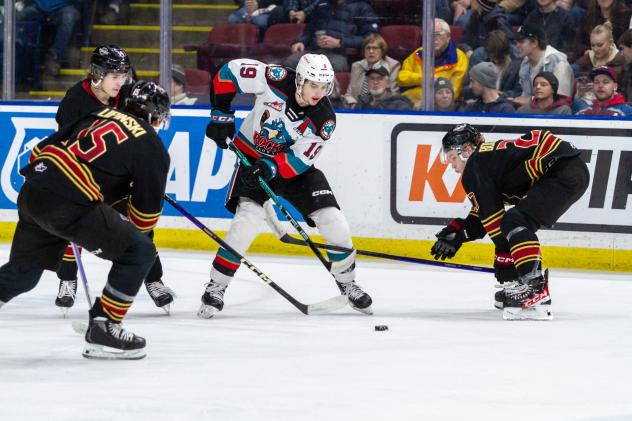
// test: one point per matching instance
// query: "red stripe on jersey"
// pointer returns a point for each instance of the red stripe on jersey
(245, 147)
(285, 168)
(223, 86)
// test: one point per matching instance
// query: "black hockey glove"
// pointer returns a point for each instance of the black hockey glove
(449, 240)
(504, 269)
(221, 126)
(250, 175)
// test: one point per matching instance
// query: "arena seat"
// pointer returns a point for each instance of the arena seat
(225, 42)
(401, 39)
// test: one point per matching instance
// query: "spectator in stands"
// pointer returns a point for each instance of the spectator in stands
(625, 84)
(600, 11)
(487, 17)
(461, 12)
(63, 15)
(483, 78)
(379, 96)
(334, 26)
(179, 87)
(256, 12)
(603, 51)
(444, 99)
(537, 56)
(292, 11)
(609, 101)
(545, 98)
(450, 62)
(111, 12)
(558, 25)
(584, 94)
(374, 49)
(498, 49)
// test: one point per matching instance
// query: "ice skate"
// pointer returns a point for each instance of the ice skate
(359, 300)
(107, 340)
(66, 295)
(212, 300)
(499, 296)
(529, 301)
(161, 295)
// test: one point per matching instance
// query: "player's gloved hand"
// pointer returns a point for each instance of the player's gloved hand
(221, 126)
(504, 269)
(250, 175)
(449, 240)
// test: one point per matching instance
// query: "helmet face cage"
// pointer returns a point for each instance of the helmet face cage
(109, 59)
(149, 101)
(317, 68)
(457, 137)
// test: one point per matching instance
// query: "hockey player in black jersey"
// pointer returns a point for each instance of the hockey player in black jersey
(108, 83)
(65, 198)
(542, 176)
(292, 120)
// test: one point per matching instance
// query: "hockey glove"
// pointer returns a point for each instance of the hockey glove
(250, 175)
(449, 240)
(221, 126)
(504, 269)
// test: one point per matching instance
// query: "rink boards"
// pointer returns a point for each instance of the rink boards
(387, 176)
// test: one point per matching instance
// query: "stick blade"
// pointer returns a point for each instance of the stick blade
(80, 327)
(327, 306)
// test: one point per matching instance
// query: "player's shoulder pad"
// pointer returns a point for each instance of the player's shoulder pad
(281, 78)
(324, 118)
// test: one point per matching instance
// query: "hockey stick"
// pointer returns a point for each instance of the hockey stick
(81, 327)
(282, 234)
(285, 212)
(326, 306)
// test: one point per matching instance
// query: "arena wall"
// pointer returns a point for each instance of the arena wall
(387, 176)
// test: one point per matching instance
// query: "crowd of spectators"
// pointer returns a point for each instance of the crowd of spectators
(491, 56)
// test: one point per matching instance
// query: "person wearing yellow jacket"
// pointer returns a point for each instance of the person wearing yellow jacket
(450, 63)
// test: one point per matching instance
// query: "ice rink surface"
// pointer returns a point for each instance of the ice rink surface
(447, 355)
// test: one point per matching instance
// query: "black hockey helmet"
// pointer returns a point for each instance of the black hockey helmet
(149, 101)
(460, 135)
(109, 59)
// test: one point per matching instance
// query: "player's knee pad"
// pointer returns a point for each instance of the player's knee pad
(141, 252)
(246, 224)
(249, 211)
(332, 225)
(516, 222)
(16, 280)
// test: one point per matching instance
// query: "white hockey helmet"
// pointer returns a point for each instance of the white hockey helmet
(317, 68)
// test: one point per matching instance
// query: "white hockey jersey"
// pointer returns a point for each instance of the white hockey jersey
(287, 137)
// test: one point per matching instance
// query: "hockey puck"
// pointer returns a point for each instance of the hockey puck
(381, 328)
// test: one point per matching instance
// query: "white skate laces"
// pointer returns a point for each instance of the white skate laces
(352, 290)
(215, 290)
(68, 289)
(157, 289)
(117, 331)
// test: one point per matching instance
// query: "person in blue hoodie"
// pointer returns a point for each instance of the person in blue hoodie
(334, 26)
(61, 13)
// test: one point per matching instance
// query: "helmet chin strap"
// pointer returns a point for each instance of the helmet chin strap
(299, 97)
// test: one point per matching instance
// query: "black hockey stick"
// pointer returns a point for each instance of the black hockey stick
(285, 212)
(282, 234)
(326, 306)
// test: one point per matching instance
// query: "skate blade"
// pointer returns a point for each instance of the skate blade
(167, 309)
(538, 312)
(100, 352)
(80, 327)
(367, 310)
(206, 311)
(327, 306)
(64, 311)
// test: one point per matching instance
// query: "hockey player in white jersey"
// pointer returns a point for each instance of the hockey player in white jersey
(282, 137)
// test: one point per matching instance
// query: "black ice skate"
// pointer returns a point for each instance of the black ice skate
(358, 299)
(66, 295)
(161, 295)
(529, 300)
(212, 300)
(107, 340)
(499, 296)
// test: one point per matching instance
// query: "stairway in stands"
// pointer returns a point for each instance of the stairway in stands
(192, 20)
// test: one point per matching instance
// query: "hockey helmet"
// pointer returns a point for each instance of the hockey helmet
(149, 101)
(317, 68)
(458, 136)
(109, 59)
